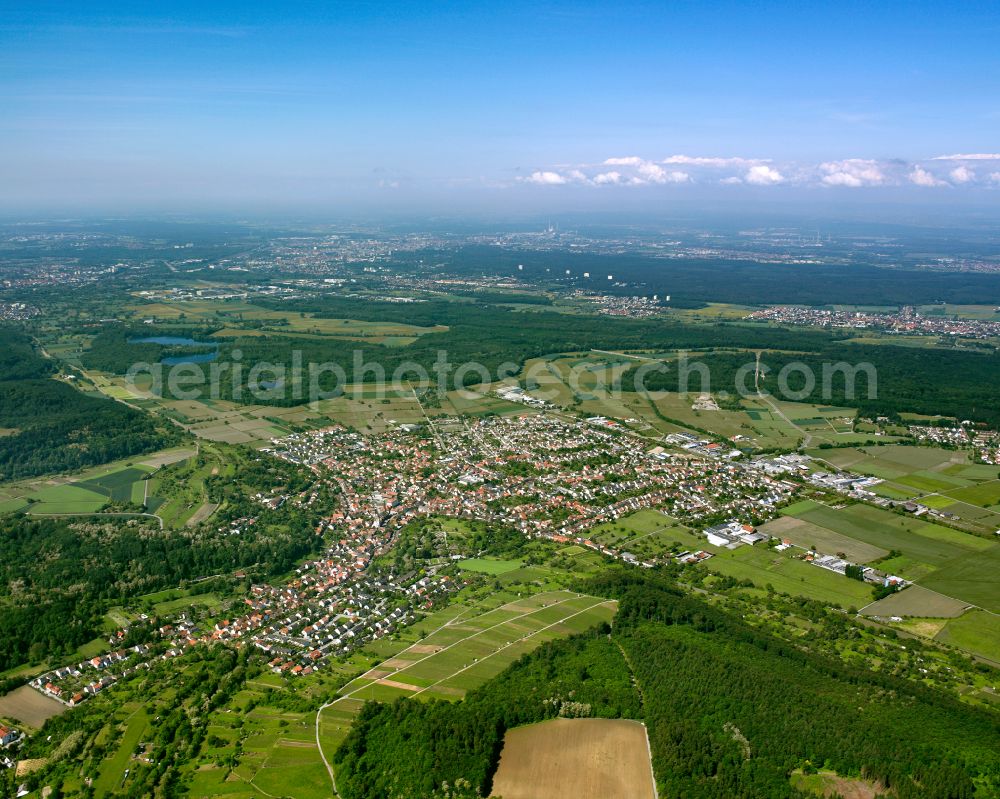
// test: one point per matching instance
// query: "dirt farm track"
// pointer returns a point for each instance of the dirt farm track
(576, 759)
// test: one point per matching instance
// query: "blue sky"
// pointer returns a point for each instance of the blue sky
(217, 104)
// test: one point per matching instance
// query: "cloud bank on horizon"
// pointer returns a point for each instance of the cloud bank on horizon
(942, 171)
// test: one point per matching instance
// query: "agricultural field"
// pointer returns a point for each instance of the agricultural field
(763, 423)
(920, 541)
(26, 706)
(576, 759)
(957, 568)
(489, 565)
(474, 403)
(807, 535)
(364, 408)
(279, 755)
(944, 480)
(113, 769)
(976, 631)
(88, 491)
(972, 578)
(787, 574)
(652, 534)
(579, 382)
(917, 601)
(460, 648)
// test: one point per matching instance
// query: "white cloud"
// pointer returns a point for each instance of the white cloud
(762, 175)
(921, 177)
(968, 157)
(852, 172)
(636, 171)
(693, 160)
(607, 178)
(962, 174)
(644, 172)
(545, 178)
(654, 173)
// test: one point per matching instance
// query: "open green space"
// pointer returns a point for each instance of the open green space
(66, 499)
(923, 541)
(489, 565)
(983, 495)
(975, 631)
(972, 578)
(112, 773)
(780, 570)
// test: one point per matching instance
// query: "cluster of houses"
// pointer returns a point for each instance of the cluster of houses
(8, 735)
(984, 443)
(305, 624)
(905, 321)
(74, 684)
(629, 307)
(544, 475)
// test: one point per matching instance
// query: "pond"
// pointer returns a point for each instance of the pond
(178, 341)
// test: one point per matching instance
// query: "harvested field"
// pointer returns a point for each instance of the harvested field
(806, 534)
(396, 684)
(203, 513)
(917, 601)
(576, 759)
(424, 649)
(29, 707)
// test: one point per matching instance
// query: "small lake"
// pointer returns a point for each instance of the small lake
(178, 341)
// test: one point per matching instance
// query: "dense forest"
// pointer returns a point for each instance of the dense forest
(731, 712)
(701, 668)
(907, 379)
(57, 428)
(921, 380)
(747, 282)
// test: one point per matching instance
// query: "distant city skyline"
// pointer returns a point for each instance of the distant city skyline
(497, 108)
